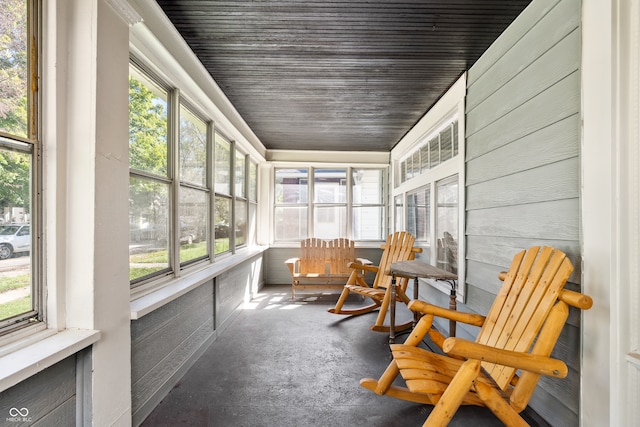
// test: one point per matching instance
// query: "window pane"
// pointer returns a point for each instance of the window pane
(193, 224)
(222, 219)
(222, 165)
(291, 223)
(330, 222)
(15, 235)
(368, 222)
(252, 223)
(253, 182)
(239, 189)
(330, 186)
(148, 227)
(368, 186)
(434, 152)
(147, 125)
(292, 186)
(14, 70)
(424, 156)
(446, 147)
(193, 148)
(241, 222)
(447, 223)
(418, 214)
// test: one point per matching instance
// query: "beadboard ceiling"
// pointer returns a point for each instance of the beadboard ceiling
(339, 75)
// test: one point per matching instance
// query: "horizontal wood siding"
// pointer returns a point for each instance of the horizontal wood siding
(49, 396)
(523, 168)
(163, 345)
(166, 342)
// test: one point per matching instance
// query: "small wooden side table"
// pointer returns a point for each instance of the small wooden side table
(415, 270)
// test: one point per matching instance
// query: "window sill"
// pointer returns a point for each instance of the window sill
(181, 285)
(45, 349)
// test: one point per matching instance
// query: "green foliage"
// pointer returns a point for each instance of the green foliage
(147, 130)
(13, 68)
(15, 172)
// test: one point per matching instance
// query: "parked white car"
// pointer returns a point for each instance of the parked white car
(14, 238)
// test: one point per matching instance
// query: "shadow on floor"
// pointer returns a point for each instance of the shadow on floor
(285, 362)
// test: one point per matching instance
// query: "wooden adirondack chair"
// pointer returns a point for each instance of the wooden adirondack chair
(398, 247)
(321, 264)
(518, 334)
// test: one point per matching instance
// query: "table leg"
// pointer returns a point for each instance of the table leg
(392, 314)
(453, 305)
(416, 315)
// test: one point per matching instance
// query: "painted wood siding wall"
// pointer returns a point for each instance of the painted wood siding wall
(49, 397)
(523, 167)
(166, 342)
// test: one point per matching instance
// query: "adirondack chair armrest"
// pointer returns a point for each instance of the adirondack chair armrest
(525, 361)
(361, 266)
(291, 263)
(458, 316)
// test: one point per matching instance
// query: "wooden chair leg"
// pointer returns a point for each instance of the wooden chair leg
(501, 409)
(453, 395)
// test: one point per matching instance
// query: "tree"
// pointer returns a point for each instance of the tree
(14, 68)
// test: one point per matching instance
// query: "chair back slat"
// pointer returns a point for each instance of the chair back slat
(312, 256)
(340, 253)
(530, 290)
(398, 247)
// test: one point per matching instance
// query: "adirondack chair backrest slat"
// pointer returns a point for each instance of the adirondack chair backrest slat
(398, 247)
(340, 253)
(312, 256)
(529, 291)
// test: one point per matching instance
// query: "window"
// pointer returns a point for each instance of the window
(347, 202)
(419, 214)
(291, 197)
(222, 215)
(330, 203)
(149, 179)
(447, 223)
(241, 200)
(194, 192)
(368, 204)
(19, 144)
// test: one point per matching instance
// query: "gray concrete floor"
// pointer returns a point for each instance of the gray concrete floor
(284, 362)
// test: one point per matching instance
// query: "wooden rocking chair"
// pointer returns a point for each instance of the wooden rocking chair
(398, 247)
(518, 334)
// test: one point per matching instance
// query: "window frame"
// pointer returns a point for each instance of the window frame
(31, 145)
(312, 205)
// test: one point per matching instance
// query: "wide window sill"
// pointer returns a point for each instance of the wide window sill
(44, 349)
(179, 286)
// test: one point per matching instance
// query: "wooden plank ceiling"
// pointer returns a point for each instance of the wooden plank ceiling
(341, 74)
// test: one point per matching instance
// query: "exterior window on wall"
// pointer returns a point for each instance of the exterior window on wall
(194, 195)
(447, 223)
(368, 204)
(19, 288)
(291, 204)
(330, 203)
(418, 214)
(222, 214)
(253, 201)
(149, 179)
(241, 201)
